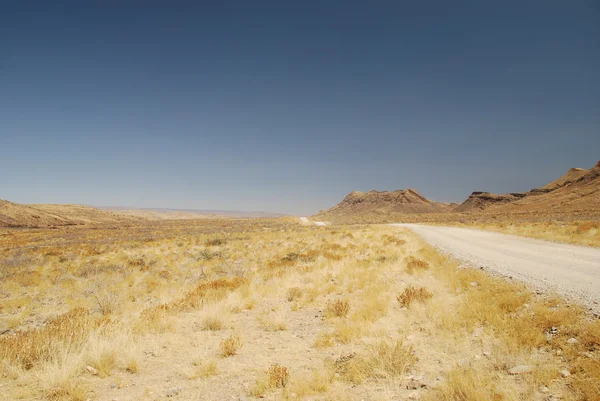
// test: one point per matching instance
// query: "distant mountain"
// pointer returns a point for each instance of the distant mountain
(176, 214)
(383, 202)
(577, 190)
(18, 215)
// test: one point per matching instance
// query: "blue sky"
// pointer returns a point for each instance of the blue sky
(288, 106)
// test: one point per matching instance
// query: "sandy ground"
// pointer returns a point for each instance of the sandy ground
(570, 270)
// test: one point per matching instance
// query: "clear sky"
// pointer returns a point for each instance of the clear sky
(287, 106)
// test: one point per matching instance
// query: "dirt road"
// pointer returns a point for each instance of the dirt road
(305, 220)
(570, 270)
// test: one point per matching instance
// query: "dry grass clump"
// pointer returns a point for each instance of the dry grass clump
(293, 258)
(414, 265)
(317, 382)
(230, 346)
(384, 360)
(137, 262)
(413, 294)
(213, 322)
(278, 376)
(209, 291)
(343, 332)
(66, 390)
(375, 305)
(203, 369)
(215, 242)
(337, 308)
(66, 332)
(468, 384)
(390, 239)
(107, 302)
(293, 294)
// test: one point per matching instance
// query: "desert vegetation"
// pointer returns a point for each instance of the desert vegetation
(581, 232)
(269, 308)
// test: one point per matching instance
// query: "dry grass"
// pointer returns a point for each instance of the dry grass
(573, 232)
(337, 308)
(416, 265)
(213, 322)
(384, 360)
(413, 294)
(293, 294)
(68, 331)
(278, 376)
(230, 346)
(158, 306)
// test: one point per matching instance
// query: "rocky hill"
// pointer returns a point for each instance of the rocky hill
(383, 202)
(565, 193)
(572, 175)
(579, 192)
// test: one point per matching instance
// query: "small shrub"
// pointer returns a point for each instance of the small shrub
(278, 376)
(212, 323)
(107, 302)
(230, 346)
(132, 366)
(208, 255)
(215, 242)
(137, 262)
(415, 265)
(337, 308)
(290, 257)
(412, 294)
(390, 239)
(293, 294)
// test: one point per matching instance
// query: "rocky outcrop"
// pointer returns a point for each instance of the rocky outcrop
(478, 201)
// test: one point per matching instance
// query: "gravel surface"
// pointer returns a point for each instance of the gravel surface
(570, 270)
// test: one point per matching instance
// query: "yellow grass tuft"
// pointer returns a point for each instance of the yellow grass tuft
(337, 308)
(386, 359)
(413, 294)
(414, 265)
(278, 376)
(230, 346)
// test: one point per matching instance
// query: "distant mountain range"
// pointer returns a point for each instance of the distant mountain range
(190, 213)
(47, 215)
(577, 190)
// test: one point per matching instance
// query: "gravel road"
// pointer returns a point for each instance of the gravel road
(570, 270)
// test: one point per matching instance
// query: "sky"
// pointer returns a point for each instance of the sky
(288, 106)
